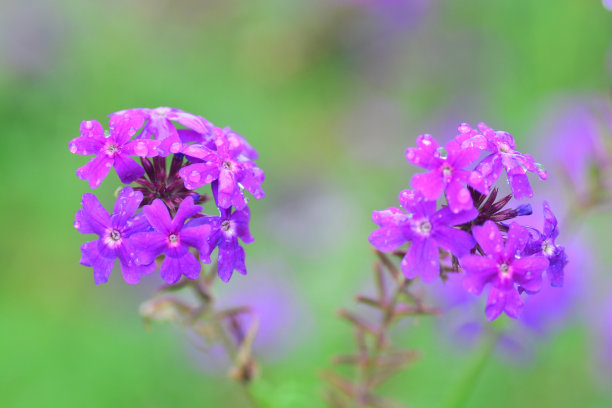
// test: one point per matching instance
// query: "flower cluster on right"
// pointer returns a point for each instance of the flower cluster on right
(472, 232)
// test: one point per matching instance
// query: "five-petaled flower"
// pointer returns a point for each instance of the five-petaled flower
(544, 244)
(172, 237)
(504, 266)
(116, 232)
(426, 229)
(112, 150)
(446, 173)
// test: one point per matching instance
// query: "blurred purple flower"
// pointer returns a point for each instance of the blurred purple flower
(116, 234)
(428, 230)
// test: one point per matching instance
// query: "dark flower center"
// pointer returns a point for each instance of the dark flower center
(504, 270)
(173, 238)
(225, 225)
(115, 235)
(423, 227)
(504, 148)
(111, 149)
(227, 165)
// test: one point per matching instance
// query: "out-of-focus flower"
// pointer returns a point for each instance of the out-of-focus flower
(116, 233)
(112, 150)
(426, 229)
(172, 237)
(502, 269)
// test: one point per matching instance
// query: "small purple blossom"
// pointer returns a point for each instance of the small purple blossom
(160, 125)
(225, 232)
(544, 244)
(503, 156)
(227, 164)
(112, 150)
(172, 237)
(428, 230)
(447, 173)
(116, 233)
(503, 269)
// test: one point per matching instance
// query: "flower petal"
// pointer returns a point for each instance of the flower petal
(479, 271)
(430, 184)
(422, 259)
(93, 217)
(148, 245)
(126, 206)
(127, 168)
(172, 268)
(453, 240)
(459, 197)
(489, 238)
(102, 266)
(95, 170)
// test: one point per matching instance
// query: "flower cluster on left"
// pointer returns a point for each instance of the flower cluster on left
(167, 154)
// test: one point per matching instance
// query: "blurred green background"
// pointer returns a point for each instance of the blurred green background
(330, 92)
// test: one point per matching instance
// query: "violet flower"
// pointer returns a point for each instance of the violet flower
(428, 230)
(113, 150)
(447, 173)
(225, 232)
(504, 156)
(502, 268)
(227, 165)
(116, 233)
(172, 237)
(544, 244)
(159, 125)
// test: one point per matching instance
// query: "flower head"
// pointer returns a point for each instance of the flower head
(504, 267)
(446, 173)
(116, 233)
(112, 150)
(172, 237)
(428, 230)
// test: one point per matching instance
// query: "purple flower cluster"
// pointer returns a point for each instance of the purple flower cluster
(472, 225)
(177, 153)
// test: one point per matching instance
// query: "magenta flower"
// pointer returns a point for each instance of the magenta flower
(503, 269)
(225, 232)
(447, 173)
(172, 237)
(116, 233)
(159, 125)
(428, 230)
(228, 165)
(113, 150)
(544, 244)
(505, 156)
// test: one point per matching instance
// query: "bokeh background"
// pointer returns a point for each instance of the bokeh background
(330, 92)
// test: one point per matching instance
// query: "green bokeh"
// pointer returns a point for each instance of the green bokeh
(284, 74)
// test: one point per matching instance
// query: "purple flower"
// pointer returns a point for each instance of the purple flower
(428, 230)
(446, 173)
(501, 267)
(225, 230)
(159, 125)
(173, 238)
(116, 233)
(113, 150)
(544, 244)
(504, 156)
(228, 165)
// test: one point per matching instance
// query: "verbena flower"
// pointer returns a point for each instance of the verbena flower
(428, 230)
(112, 150)
(544, 244)
(503, 156)
(225, 232)
(116, 233)
(172, 237)
(160, 125)
(502, 266)
(227, 164)
(447, 173)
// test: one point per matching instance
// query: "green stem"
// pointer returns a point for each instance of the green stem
(464, 391)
